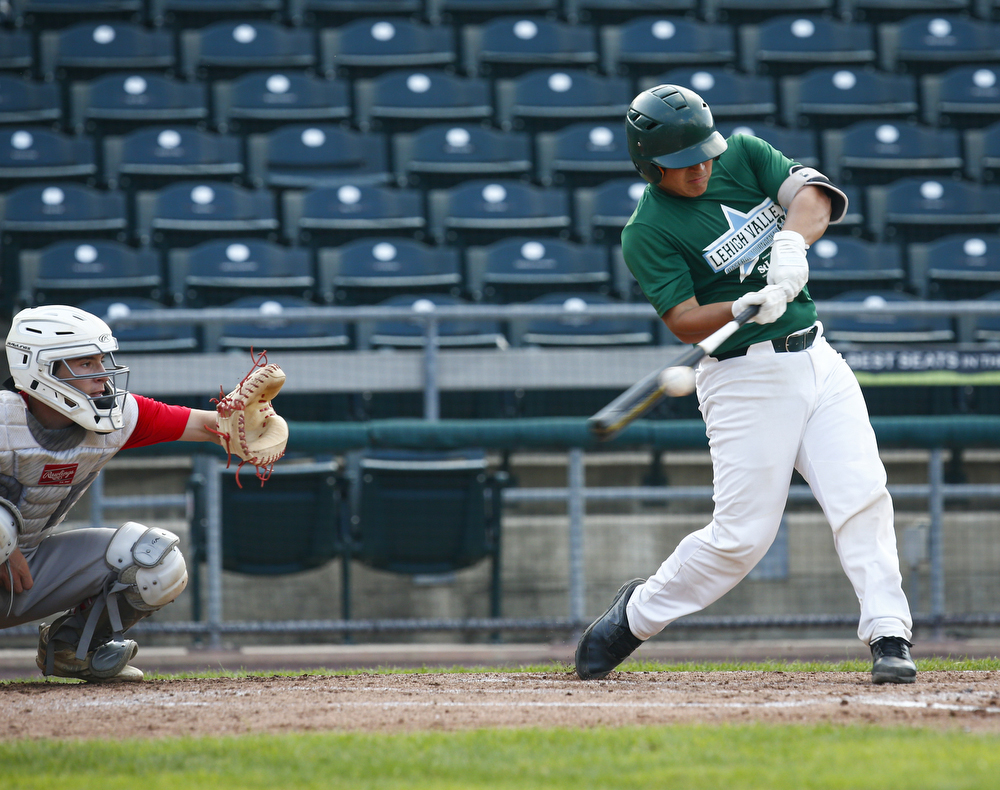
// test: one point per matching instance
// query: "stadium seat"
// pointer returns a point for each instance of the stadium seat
(926, 43)
(35, 154)
(92, 49)
(17, 53)
(452, 333)
(577, 329)
(475, 12)
(427, 513)
(583, 154)
(27, 102)
(406, 99)
(841, 264)
(877, 152)
(602, 211)
(335, 13)
(52, 14)
(305, 156)
(620, 12)
(886, 329)
(189, 212)
(272, 331)
(963, 97)
(879, 11)
(960, 266)
(481, 212)
(982, 153)
(797, 144)
(986, 328)
(524, 268)
(70, 272)
(647, 45)
(217, 272)
(795, 44)
(122, 103)
(262, 101)
(229, 49)
(547, 99)
(179, 14)
(741, 97)
(328, 216)
(154, 157)
(141, 338)
(755, 11)
(373, 45)
(510, 46)
(442, 155)
(368, 271)
(915, 209)
(837, 97)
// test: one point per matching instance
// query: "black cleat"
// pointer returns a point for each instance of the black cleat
(891, 661)
(608, 641)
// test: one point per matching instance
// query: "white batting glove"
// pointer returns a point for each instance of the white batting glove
(788, 267)
(771, 299)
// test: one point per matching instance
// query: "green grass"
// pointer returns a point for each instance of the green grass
(731, 757)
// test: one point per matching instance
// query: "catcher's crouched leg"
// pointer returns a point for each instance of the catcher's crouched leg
(88, 642)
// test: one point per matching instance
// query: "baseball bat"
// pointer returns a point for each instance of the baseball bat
(647, 392)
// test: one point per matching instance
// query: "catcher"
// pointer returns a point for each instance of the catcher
(66, 412)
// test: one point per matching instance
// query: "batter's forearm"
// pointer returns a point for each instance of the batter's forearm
(691, 322)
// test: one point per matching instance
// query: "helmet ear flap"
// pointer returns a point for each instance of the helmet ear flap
(650, 172)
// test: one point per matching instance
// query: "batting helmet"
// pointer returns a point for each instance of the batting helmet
(670, 126)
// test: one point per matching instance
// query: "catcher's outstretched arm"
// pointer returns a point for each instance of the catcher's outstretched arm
(200, 428)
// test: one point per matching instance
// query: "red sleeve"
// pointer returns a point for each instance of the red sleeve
(158, 422)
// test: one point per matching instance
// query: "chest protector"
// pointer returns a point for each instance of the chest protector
(44, 484)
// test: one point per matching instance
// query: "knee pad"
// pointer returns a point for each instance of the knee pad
(150, 566)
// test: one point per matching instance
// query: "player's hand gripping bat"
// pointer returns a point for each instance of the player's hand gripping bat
(648, 391)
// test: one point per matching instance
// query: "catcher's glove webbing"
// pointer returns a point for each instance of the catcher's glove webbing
(247, 422)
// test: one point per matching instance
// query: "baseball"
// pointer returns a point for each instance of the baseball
(677, 381)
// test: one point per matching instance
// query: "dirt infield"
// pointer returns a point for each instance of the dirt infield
(446, 702)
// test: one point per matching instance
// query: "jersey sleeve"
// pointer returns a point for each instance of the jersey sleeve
(659, 269)
(158, 423)
(770, 165)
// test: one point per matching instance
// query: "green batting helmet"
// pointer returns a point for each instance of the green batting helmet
(670, 126)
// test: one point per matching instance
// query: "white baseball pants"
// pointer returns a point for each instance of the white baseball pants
(765, 414)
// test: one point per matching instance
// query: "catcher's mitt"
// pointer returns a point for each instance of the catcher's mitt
(247, 422)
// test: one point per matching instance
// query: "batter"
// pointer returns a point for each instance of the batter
(723, 225)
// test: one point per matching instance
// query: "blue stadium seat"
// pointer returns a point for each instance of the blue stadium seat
(154, 157)
(474, 12)
(741, 97)
(926, 43)
(27, 102)
(583, 154)
(189, 212)
(524, 268)
(229, 49)
(879, 11)
(141, 338)
(620, 12)
(577, 328)
(335, 13)
(982, 153)
(986, 328)
(756, 11)
(373, 45)
(602, 211)
(217, 272)
(482, 211)
(877, 152)
(915, 209)
(122, 103)
(179, 14)
(92, 49)
(35, 154)
(835, 97)
(270, 330)
(796, 44)
(648, 45)
(328, 216)
(304, 156)
(442, 155)
(452, 333)
(961, 266)
(406, 99)
(547, 99)
(70, 272)
(840, 264)
(264, 100)
(797, 144)
(39, 15)
(884, 329)
(370, 270)
(17, 53)
(510, 46)
(964, 97)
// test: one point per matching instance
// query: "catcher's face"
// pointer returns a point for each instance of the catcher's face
(687, 181)
(86, 374)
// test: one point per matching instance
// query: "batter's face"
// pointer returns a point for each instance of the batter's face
(686, 181)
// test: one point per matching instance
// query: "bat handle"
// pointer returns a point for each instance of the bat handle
(747, 314)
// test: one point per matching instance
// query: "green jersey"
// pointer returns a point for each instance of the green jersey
(716, 247)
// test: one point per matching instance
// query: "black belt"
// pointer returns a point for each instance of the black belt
(797, 341)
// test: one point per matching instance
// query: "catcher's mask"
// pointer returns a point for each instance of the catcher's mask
(670, 126)
(43, 342)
